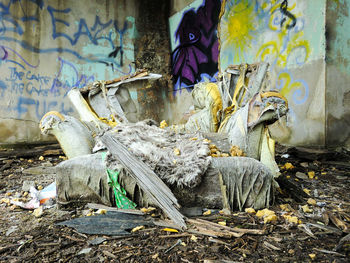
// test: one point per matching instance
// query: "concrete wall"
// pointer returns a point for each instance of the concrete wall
(48, 47)
(290, 35)
(338, 73)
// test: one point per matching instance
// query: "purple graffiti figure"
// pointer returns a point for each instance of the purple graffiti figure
(197, 51)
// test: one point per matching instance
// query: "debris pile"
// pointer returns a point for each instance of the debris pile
(169, 167)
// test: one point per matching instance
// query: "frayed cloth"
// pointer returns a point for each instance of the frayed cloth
(178, 159)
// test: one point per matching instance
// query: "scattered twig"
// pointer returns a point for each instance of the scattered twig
(328, 252)
(178, 242)
(270, 246)
(175, 235)
(6, 165)
(342, 241)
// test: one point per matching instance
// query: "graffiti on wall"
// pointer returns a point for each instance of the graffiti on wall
(80, 47)
(195, 57)
(271, 31)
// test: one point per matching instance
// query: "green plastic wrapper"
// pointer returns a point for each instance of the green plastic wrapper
(121, 200)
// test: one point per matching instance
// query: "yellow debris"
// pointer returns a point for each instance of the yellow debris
(40, 187)
(176, 151)
(288, 176)
(170, 230)
(148, 209)
(101, 211)
(89, 214)
(135, 229)
(285, 207)
(222, 223)
(307, 191)
(250, 210)
(323, 173)
(291, 219)
(213, 150)
(312, 256)
(8, 194)
(306, 209)
(30, 161)
(264, 212)
(311, 201)
(236, 151)
(183, 244)
(207, 213)
(38, 212)
(5, 200)
(267, 214)
(288, 166)
(311, 174)
(41, 158)
(62, 157)
(206, 140)
(194, 238)
(174, 161)
(25, 194)
(225, 155)
(163, 124)
(194, 139)
(155, 256)
(270, 218)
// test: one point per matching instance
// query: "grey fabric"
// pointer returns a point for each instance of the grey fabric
(157, 148)
(83, 179)
(73, 136)
(249, 183)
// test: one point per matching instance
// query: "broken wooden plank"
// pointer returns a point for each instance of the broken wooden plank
(234, 229)
(115, 209)
(213, 230)
(146, 179)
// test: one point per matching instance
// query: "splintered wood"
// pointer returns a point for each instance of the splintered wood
(146, 179)
(208, 228)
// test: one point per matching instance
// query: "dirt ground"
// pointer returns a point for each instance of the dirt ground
(315, 236)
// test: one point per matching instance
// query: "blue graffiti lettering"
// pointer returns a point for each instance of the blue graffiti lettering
(25, 105)
(77, 80)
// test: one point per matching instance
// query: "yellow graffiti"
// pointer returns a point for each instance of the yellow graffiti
(238, 30)
(288, 84)
(282, 48)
